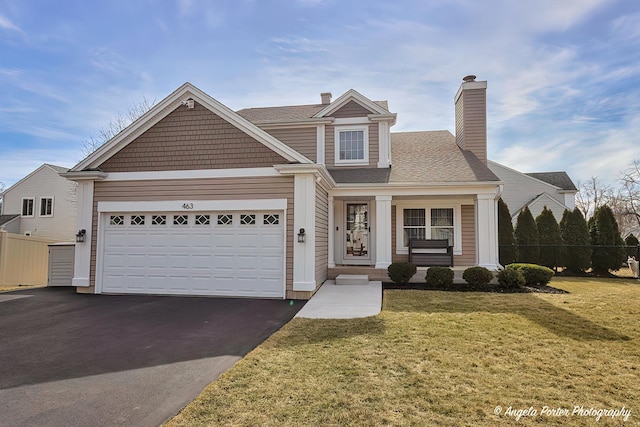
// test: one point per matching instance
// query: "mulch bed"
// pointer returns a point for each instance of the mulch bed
(464, 287)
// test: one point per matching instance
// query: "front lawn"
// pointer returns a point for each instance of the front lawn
(444, 358)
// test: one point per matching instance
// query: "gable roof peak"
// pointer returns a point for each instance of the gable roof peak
(352, 95)
(170, 103)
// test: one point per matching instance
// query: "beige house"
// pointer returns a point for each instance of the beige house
(42, 204)
(196, 199)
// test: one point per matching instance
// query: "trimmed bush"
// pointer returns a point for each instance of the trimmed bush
(401, 272)
(533, 274)
(575, 235)
(526, 234)
(477, 276)
(608, 254)
(506, 239)
(550, 239)
(511, 278)
(439, 276)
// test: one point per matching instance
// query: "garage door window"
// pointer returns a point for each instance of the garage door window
(203, 220)
(180, 219)
(271, 219)
(137, 219)
(159, 220)
(247, 219)
(225, 219)
(116, 220)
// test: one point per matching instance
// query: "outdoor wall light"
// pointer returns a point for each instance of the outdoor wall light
(81, 235)
(301, 236)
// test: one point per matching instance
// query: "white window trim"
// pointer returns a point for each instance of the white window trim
(427, 206)
(40, 207)
(33, 207)
(365, 132)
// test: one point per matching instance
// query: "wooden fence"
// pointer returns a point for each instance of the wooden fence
(23, 259)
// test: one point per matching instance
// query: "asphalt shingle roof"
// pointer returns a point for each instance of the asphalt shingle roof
(434, 157)
(289, 113)
(6, 218)
(360, 175)
(559, 179)
(58, 169)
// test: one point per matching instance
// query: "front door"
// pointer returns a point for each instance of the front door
(357, 232)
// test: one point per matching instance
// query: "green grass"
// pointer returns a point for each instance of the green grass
(442, 359)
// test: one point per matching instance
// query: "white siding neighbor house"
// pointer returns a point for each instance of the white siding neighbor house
(41, 204)
(555, 190)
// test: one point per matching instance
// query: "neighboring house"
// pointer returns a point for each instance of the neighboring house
(555, 190)
(196, 199)
(43, 204)
(10, 223)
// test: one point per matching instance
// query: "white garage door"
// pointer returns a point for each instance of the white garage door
(200, 253)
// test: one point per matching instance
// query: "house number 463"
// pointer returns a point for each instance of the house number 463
(187, 206)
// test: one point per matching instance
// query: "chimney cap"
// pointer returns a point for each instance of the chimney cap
(469, 78)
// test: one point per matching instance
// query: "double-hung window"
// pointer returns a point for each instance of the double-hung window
(46, 206)
(27, 206)
(442, 224)
(352, 145)
(416, 222)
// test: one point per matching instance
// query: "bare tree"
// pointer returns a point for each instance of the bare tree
(593, 194)
(117, 125)
(629, 198)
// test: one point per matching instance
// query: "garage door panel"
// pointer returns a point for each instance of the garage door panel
(182, 256)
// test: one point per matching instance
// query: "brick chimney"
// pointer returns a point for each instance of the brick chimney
(326, 98)
(471, 117)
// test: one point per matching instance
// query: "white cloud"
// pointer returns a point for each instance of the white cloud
(16, 164)
(5, 23)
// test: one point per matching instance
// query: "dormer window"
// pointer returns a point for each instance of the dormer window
(352, 145)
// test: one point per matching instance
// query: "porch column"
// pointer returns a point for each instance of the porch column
(84, 221)
(304, 216)
(487, 231)
(383, 231)
(331, 233)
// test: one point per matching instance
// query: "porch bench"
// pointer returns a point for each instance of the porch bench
(430, 252)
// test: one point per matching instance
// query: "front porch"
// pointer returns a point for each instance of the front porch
(380, 274)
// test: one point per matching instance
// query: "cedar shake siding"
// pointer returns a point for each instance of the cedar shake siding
(351, 109)
(330, 155)
(200, 189)
(303, 140)
(322, 235)
(192, 139)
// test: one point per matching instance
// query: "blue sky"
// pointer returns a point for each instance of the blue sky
(563, 76)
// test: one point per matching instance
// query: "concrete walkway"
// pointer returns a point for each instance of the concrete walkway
(343, 301)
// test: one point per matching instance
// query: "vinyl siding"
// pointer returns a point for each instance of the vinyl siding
(200, 189)
(45, 182)
(192, 139)
(351, 109)
(303, 139)
(330, 155)
(471, 122)
(394, 244)
(520, 189)
(322, 235)
(468, 256)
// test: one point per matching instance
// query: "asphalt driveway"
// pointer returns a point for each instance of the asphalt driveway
(89, 360)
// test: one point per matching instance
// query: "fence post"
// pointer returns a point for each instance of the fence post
(3, 256)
